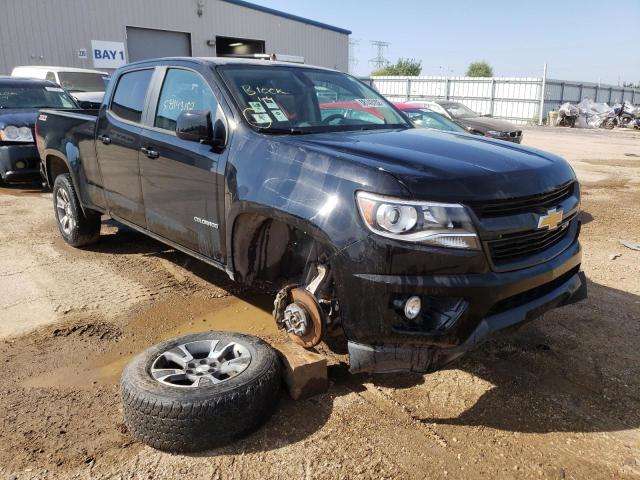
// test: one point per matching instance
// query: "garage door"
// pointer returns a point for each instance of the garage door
(144, 43)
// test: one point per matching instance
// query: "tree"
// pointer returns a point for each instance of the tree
(406, 67)
(480, 69)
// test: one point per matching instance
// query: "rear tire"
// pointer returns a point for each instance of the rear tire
(77, 228)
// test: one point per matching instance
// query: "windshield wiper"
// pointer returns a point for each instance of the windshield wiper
(280, 131)
(389, 126)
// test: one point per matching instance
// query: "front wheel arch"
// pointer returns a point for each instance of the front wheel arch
(275, 251)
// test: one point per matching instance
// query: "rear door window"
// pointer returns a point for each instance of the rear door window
(182, 90)
(128, 99)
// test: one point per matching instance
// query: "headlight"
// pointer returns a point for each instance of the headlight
(439, 224)
(11, 133)
(496, 133)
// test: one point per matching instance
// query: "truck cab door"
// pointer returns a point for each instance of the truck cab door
(118, 145)
(182, 179)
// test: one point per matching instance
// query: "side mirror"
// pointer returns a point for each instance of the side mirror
(195, 126)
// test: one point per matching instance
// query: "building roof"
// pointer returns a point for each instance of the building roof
(279, 13)
(62, 69)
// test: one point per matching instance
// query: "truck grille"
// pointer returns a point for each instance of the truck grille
(533, 203)
(516, 246)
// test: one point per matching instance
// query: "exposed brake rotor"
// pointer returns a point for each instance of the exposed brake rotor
(303, 318)
(296, 310)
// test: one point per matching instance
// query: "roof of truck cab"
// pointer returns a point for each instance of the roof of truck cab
(227, 61)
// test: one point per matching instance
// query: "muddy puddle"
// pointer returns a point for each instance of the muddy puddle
(164, 320)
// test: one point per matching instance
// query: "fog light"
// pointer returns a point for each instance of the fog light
(412, 307)
(20, 164)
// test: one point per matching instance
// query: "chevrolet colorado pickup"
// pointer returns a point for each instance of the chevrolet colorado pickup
(414, 244)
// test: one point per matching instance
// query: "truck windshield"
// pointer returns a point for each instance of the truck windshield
(34, 96)
(281, 99)
(82, 81)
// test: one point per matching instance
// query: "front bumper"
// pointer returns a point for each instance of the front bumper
(402, 358)
(19, 163)
(382, 340)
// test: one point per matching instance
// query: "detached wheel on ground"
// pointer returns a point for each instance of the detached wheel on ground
(200, 391)
(78, 228)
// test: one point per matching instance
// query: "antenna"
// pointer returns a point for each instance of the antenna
(353, 61)
(379, 61)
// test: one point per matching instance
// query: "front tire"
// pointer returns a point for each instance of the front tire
(200, 391)
(77, 228)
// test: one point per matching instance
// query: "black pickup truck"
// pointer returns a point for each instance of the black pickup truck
(415, 244)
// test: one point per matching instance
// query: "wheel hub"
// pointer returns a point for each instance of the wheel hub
(307, 318)
(200, 364)
(65, 213)
(296, 319)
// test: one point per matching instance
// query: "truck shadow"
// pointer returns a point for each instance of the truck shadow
(574, 370)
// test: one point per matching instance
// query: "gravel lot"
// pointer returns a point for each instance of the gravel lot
(558, 399)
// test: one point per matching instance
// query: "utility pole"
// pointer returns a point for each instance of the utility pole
(353, 60)
(379, 61)
(544, 86)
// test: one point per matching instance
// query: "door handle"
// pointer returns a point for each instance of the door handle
(104, 139)
(149, 152)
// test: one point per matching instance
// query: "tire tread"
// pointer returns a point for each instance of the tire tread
(88, 222)
(183, 425)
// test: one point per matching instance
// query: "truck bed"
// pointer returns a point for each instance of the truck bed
(68, 136)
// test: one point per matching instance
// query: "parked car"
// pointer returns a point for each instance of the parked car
(20, 100)
(425, 118)
(85, 85)
(414, 244)
(335, 111)
(472, 121)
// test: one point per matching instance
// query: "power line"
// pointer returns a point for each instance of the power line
(379, 61)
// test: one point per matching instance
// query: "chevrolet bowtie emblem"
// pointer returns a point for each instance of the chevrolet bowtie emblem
(551, 220)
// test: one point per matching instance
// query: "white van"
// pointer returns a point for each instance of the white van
(84, 84)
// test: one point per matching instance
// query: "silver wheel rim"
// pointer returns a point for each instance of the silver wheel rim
(65, 214)
(202, 363)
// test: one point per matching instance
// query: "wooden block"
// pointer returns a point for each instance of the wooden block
(305, 372)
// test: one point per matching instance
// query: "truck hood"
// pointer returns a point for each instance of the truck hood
(447, 166)
(484, 124)
(18, 116)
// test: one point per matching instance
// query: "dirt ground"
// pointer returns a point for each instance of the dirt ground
(559, 399)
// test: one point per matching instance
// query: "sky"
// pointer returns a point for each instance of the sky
(579, 40)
